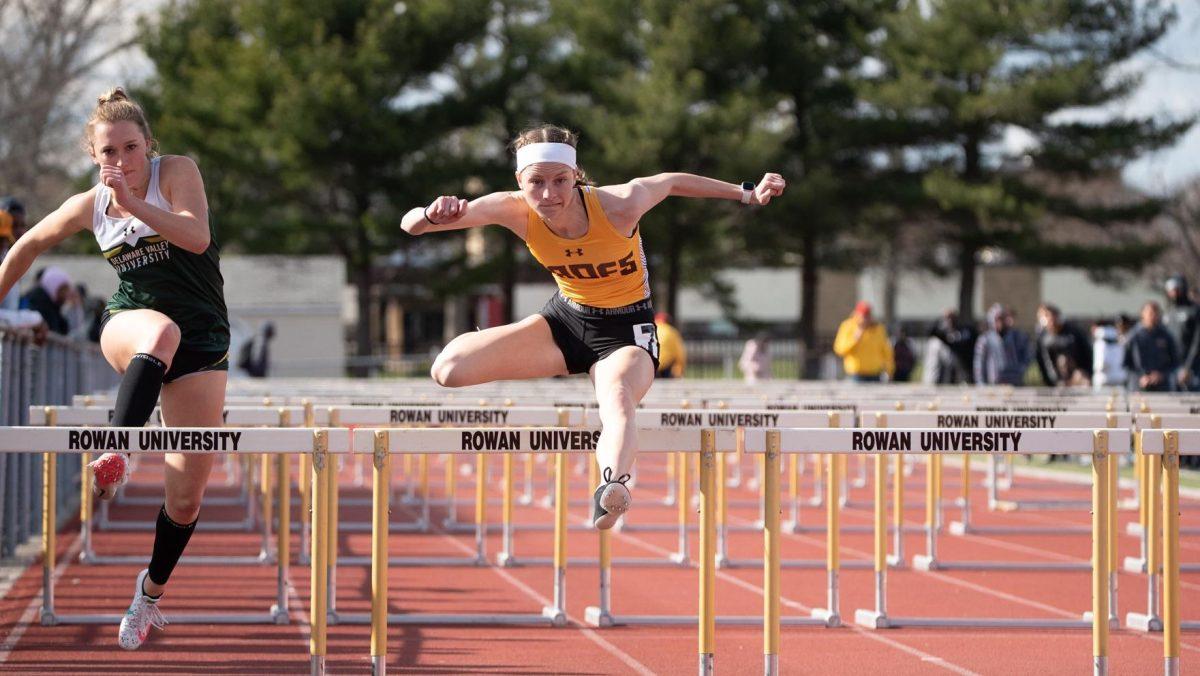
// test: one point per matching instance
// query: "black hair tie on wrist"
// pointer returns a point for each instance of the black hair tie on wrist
(425, 213)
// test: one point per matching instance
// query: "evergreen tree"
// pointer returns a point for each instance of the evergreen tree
(958, 75)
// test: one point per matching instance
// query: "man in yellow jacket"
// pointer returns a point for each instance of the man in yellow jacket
(863, 345)
(672, 355)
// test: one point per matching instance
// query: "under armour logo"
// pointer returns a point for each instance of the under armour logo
(129, 229)
(577, 252)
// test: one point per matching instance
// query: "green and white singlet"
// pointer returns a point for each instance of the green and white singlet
(158, 275)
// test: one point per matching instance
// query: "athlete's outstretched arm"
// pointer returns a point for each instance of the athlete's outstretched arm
(74, 215)
(453, 213)
(630, 201)
(186, 226)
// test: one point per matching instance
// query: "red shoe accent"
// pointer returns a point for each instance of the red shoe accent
(108, 471)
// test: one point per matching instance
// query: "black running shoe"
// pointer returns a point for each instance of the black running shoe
(610, 500)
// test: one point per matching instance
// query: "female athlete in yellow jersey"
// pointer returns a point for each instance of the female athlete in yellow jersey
(601, 321)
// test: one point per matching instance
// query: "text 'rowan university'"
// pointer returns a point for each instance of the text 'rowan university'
(153, 440)
(530, 440)
(986, 442)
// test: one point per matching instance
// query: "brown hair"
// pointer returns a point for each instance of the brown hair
(550, 133)
(116, 106)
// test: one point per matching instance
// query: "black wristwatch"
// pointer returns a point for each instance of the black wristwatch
(747, 191)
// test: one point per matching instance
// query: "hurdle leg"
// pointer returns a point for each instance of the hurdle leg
(818, 496)
(722, 514)
(451, 488)
(1170, 554)
(992, 484)
(481, 510)
(49, 533)
(423, 468)
(331, 497)
(1141, 464)
(1150, 620)
(708, 578)
(1114, 468)
(505, 557)
(1100, 505)
(264, 491)
(380, 495)
(771, 566)
(670, 497)
(897, 559)
(832, 560)
(283, 488)
(601, 615)
(527, 495)
(86, 508)
(304, 484)
(964, 526)
(877, 618)
(318, 615)
(681, 473)
(793, 522)
(928, 560)
(558, 612)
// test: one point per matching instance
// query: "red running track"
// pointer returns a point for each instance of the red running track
(27, 647)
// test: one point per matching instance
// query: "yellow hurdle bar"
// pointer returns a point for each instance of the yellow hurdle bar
(49, 533)
(85, 500)
(1170, 553)
(380, 497)
(481, 507)
(835, 467)
(283, 535)
(897, 558)
(1100, 505)
(265, 495)
(506, 510)
(557, 612)
(320, 548)
(683, 503)
(708, 541)
(771, 576)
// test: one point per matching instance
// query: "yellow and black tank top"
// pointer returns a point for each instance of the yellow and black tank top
(602, 269)
(158, 275)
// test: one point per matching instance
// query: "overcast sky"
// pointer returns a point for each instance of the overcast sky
(1171, 88)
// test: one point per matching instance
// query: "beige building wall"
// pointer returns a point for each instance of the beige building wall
(837, 293)
(1016, 287)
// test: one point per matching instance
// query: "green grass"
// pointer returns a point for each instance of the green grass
(1188, 478)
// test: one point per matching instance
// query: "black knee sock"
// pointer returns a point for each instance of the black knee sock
(170, 539)
(139, 391)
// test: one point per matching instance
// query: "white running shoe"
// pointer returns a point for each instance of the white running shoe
(143, 613)
(109, 472)
(610, 501)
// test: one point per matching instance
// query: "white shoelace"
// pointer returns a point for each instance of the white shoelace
(147, 614)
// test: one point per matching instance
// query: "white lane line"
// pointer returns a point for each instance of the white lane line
(35, 604)
(625, 658)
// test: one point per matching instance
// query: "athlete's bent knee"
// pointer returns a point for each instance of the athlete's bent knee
(183, 509)
(163, 341)
(446, 371)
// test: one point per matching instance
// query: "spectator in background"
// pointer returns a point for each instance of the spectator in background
(48, 298)
(672, 355)
(902, 356)
(255, 356)
(1064, 354)
(863, 345)
(1151, 355)
(1002, 355)
(755, 362)
(959, 338)
(12, 226)
(1182, 321)
(1108, 360)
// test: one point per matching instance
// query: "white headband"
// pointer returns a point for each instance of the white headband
(545, 152)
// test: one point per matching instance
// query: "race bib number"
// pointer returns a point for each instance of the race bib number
(646, 337)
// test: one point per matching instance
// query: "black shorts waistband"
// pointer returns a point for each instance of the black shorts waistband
(634, 308)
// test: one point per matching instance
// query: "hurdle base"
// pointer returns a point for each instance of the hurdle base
(1134, 528)
(871, 619)
(680, 559)
(597, 617)
(441, 619)
(316, 665)
(803, 564)
(48, 619)
(894, 561)
(1113, 622)
(959, 528)
(1144, 622)
(378, 665)
(924, 562)
(986, 623)
(280, 614)
(556, 616)
(182, 618)
(829, 618)
(1134, 565)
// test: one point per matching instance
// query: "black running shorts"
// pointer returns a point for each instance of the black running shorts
(588, 334)
(186, 361)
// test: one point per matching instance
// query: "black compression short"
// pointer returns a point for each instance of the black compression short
(186, 360)
(585, 334)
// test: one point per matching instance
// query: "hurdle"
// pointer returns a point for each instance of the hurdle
(955, 420)
(52, 441)
(1096, 443)
(1168, 446)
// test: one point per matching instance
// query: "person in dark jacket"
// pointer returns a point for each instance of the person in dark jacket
(1059, 344)
(960, 338)
(53, 290)
(1151, 355)
(1182, 320)
(1003, 353)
